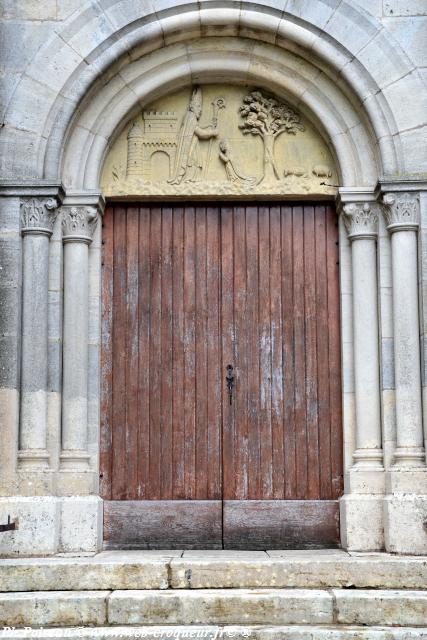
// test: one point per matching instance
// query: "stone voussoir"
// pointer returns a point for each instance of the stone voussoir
(62, 608)
(335, 571)
(211, 606)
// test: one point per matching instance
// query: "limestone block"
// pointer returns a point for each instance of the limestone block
(299, 569)
(81, 524)
(89, 30)
(24, 10)
(131, 570)
(56, 607)
(317, 13)
(351, 26)
(361, 521)
(294, 632)
(251, 21)
(403, 92)
(404, 8)
(9, 420)
(220, 607)
(38, 530)
(405, 517)
(374, 7)
(382, 60)
(381, 607)
(414, 144)
(410, 32)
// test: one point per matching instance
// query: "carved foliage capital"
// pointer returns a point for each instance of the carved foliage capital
(401, 211)
(78, 223)
(361, 219)
(38, 215)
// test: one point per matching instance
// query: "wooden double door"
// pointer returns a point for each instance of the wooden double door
(221, 398)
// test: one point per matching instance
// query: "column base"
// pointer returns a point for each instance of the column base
(48, 525)
(74, 460)
(405, 523)
(366, 479)
(361, 519)
(409, 457)
(33, 459)
(405, 510)
(38, 526)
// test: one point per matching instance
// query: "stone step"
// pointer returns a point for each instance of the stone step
(294, 632)
(215, 607)
(207, 570)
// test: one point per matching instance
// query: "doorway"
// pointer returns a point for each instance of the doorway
(221, 382)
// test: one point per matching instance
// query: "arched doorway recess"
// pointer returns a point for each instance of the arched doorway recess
(307, 62)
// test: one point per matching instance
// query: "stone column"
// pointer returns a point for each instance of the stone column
(362, 224)
(37, 219)
(362, 506)
(402, 215)
(406, 502)
(78, 225)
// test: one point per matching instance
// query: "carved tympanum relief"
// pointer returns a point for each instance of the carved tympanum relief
(219, 140)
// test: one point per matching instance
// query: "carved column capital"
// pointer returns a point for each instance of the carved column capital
(78, 223)
(361, 220)
(38, 215)
(401, 211)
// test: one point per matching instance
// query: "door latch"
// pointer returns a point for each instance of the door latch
(230, 381)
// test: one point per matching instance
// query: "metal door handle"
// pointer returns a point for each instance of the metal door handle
(230, 381)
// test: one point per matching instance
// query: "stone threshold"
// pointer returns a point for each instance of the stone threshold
(110, 570)
(293, 632)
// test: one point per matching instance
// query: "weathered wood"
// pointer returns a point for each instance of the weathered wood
(163, 524)
(189, 289)
(280, 524)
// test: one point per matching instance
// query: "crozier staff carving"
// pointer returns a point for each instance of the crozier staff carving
(267, 117)
(188, 164)
(232, 174)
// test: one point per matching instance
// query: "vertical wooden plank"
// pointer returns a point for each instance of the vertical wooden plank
(289, 426)
(178, 354)
(155, 352)
(323, 353)
(214, 379)
(132, 351)
(277, 339)
(166, 442)
(240, 363)
(189, 351)
(252, 274)
(106, 436)
(119, 463)
(227, 334)
(334, 353)
(311, 354)
(144, 312)
(201, 356)
(265, 371)
(299, 346)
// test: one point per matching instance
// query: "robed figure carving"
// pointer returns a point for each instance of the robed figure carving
(188, 163)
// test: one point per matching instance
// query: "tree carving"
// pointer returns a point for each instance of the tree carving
(267, 117)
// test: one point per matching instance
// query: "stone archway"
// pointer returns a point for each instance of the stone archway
(312, 61)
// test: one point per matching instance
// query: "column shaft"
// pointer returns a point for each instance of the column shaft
(38, 217)
(361, 220)
(407, 348)
(78, 226)
(366, 357)
(75, 350)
